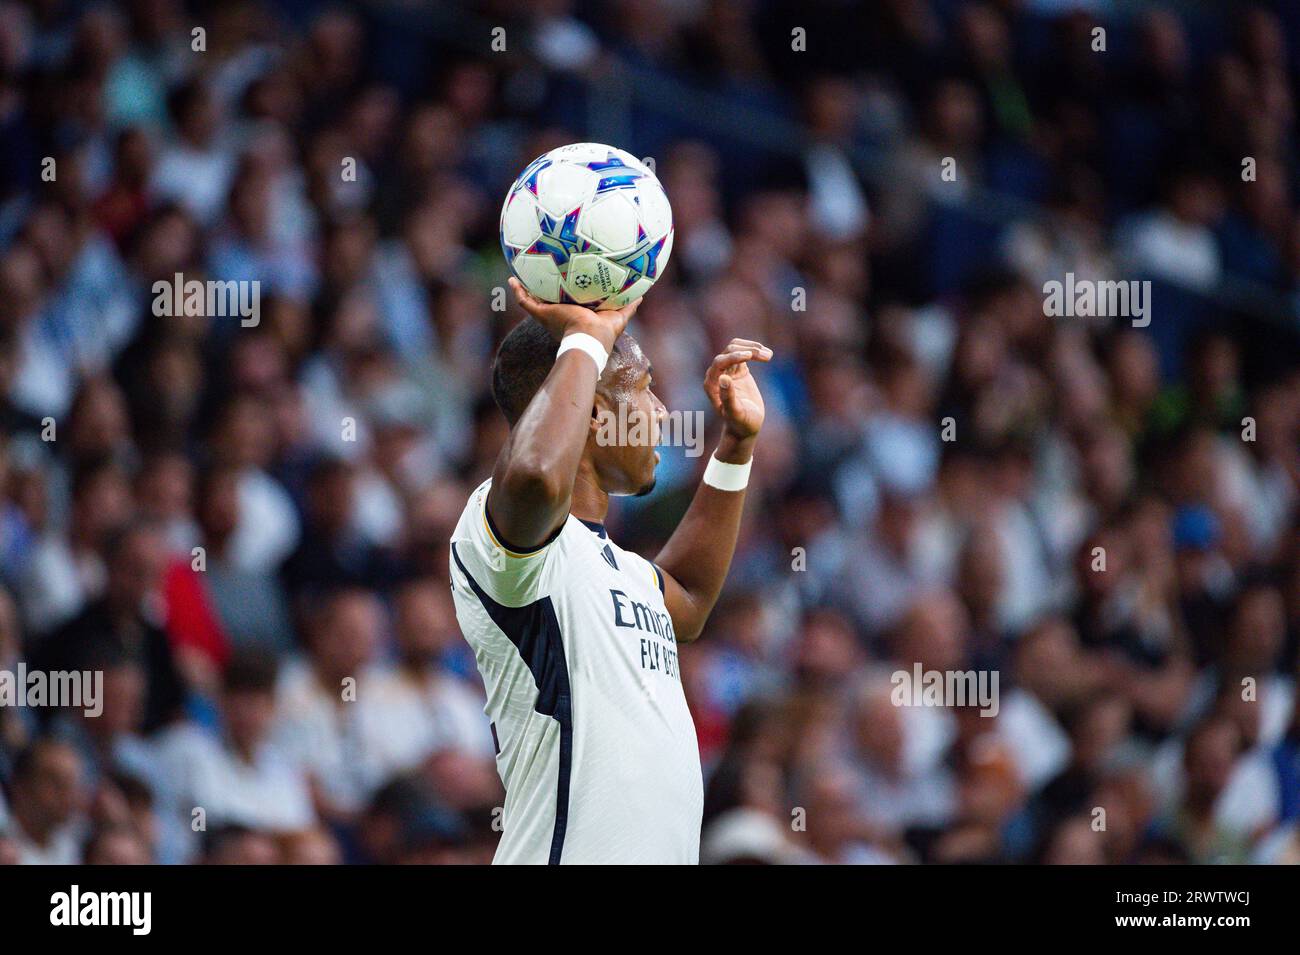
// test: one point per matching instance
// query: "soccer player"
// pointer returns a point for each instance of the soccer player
(575, 637)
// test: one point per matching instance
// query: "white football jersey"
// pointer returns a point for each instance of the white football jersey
(594, 740)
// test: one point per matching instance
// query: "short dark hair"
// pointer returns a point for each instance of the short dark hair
(28, 758)
(526, 357)
(250, 672)
(523, 361)
(117, 538)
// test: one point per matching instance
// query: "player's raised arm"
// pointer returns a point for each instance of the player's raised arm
(532, 484)
(696, 558)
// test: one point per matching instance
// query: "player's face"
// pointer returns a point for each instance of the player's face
(629, 416)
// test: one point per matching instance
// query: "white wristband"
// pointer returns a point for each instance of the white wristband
(584, 343)
(727, 477)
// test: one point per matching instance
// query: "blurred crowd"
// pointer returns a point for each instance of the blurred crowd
(245, 527)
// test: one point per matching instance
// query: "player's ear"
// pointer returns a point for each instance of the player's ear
(601, 411)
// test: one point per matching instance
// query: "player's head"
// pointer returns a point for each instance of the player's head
(625, 416)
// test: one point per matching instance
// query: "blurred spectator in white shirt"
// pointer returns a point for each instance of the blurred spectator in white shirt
(196, 169)
(241, 776)
(323, 700)
(47, 818)
(423, 708)
(1176, 241)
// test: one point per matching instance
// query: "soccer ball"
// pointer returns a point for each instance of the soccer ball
(589, 224)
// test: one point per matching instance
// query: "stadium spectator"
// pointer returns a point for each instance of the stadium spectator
(47, 814)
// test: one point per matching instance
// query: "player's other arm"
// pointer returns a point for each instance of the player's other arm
(532, 483)
(696, 558)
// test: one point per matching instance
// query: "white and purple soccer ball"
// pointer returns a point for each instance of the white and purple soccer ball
(587, 223)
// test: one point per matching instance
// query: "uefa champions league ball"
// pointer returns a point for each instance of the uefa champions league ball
(587, 223)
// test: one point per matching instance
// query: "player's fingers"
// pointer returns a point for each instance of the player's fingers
(619, 317)
(730, 398)
(760, 351)
(735, 362)
(527, 301)
(711, 390)
(628, 310)
(738, 359)
(728, 358)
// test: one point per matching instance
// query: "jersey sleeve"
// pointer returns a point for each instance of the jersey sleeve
(508, 576)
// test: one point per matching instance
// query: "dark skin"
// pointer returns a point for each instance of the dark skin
(554, 465)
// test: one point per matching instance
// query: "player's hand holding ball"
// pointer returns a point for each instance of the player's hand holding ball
(560, 319)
